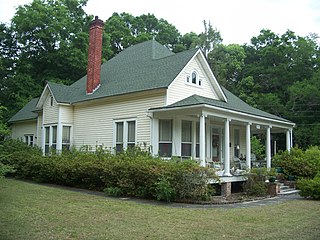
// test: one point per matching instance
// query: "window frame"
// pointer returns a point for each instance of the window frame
(185, 142)
(27, 139)
(125, 134)
(198, 79)
(164, 142)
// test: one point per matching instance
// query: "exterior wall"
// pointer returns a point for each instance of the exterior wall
(20, 129)
(39, 130)
(66, 114)
(94, 121)
(50, 113)
(180, 89)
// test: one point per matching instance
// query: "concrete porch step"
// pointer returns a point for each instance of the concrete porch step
(288, 191)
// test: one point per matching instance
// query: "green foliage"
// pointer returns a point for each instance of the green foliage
(4, 130)
(310, 187)
(164, 191)
(256, 182)
(113, 191)
(299, 163)
(257, 147)
(5, 169)
(132, 173)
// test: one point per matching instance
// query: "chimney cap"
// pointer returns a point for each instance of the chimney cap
(96, 22)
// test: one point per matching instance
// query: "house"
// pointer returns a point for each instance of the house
(148, 95)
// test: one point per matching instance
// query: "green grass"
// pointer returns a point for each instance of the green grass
(32, 211)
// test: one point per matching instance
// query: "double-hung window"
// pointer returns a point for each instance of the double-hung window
(186, 138)
(165, 138)
(28, 139)
(66, 137)
(125, 134)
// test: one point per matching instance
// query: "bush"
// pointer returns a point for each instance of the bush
(132, 173)
(164, 191)
(256, 182)
(310, 187)
(4, 169)
(299, 163)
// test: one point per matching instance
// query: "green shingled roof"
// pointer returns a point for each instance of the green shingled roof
(26, 113)
(233, 103)
(145, 66)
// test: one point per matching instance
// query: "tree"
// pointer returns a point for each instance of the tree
(126, 30)
(209, 39)
(227, 63)
(48, 41)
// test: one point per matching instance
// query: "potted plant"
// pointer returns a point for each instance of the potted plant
(272, 174)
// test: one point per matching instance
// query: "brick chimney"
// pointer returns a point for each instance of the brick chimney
(94, 55)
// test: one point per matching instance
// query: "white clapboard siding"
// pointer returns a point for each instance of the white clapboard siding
(66, 114)
(20, 129)
(179, 89)
(39, 130)
(50, 113)
(94, 121)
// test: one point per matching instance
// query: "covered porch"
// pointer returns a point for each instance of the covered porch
(216, 136)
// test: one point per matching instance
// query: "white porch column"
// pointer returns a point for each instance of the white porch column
(227, 148)
(194, 140)
(202, 140)
(291, 138)
(208, 137)
(59, 132)
(288, 142)
(248, 146)
(155, 136)
(268, 147)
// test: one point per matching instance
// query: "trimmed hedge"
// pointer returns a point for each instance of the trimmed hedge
(131, 173)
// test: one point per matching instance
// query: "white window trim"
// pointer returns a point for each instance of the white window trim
(199, 80)
(27, 139)
(51, 135)
(125, 131)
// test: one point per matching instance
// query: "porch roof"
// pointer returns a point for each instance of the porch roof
(233, 103)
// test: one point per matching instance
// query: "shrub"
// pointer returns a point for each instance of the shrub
(113, 191)
(310, 187)
(255, 184)
(164, 191)
(4, 169)
(135, 172)
(299, 163)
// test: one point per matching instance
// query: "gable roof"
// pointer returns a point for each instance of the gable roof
(233, 103)
(26, 113)
(144, 66)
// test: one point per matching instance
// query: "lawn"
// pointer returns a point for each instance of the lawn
(32, 211)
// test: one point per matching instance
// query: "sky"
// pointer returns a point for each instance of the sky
(237, 20)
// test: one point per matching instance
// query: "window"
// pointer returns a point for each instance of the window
(186, 139)
(131, 134)
(47, 137)
(28, 139)
(125, 134)
(119, 136)
(193, 79)
(51, 101)
(165, 138)
(54, 137)
(66, 137)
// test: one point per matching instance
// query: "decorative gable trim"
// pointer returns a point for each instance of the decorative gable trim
(45, 93)
(215, 83)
